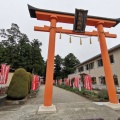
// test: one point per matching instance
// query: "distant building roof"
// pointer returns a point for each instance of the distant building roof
(99, 55)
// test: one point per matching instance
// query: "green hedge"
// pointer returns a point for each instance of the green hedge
(18, 88)
(101, 95)
(29, 81)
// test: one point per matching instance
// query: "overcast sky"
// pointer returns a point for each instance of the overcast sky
(16, 11)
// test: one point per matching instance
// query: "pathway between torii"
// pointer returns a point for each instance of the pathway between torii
(70, 106)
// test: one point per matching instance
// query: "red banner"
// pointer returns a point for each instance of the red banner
(6, 73)
(76, 82)
(65, 81)
(70, 82)
(60, 81)
(88, 82)
(35, 82)
(2, 77)
(56, 82)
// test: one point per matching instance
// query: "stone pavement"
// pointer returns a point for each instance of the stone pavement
(70, 106)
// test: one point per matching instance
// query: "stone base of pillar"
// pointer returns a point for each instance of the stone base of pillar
(113, 106)
(46, 109)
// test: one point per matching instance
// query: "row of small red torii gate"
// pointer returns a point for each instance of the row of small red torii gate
(98, 22)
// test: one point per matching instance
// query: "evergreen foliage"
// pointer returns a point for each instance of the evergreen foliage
(18, 51)
(58, 67)
(18, 87)
(64, 67)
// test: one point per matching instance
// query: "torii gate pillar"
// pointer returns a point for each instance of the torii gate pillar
(48, 107)
(106, 64)
(50, 63)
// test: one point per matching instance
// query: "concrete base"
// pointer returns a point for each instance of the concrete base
(100, 103)
(113, 106)
(46, 109)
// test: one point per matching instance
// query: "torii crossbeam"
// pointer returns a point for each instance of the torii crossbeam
(98, 22)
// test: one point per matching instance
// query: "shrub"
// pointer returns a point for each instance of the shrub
(18, 88)
(91, 94)
(103, 94)
(76, 90)
(83, 91)
(29, 81)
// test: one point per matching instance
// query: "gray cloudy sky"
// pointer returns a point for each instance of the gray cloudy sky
(16, 11)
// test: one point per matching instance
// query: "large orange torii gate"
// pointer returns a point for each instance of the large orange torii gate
(98, 22)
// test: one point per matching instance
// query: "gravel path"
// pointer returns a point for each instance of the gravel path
(59, 96)
(69, 106)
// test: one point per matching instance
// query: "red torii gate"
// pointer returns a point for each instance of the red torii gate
(98, 22)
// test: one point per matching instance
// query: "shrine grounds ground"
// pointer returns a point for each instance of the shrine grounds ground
(70, 106)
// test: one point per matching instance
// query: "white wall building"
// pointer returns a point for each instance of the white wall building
(94, 67)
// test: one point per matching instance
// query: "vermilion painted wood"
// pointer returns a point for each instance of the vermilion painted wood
(70, 19)
(106, 63)
(59, 29)
(50, 64)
